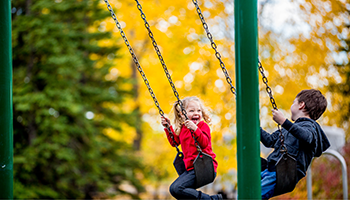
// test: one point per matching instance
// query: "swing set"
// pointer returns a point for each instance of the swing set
(203, 165)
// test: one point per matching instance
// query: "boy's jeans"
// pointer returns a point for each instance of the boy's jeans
(268, 183)
(184, 187)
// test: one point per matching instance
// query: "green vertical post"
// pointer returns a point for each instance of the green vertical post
(248, 124)
(6, 116)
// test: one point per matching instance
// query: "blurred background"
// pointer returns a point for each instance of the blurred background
(85, 125)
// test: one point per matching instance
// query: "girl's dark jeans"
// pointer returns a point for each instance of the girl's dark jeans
(184, 187)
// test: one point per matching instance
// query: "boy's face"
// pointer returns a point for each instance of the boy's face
(296, 109)
(194, 112)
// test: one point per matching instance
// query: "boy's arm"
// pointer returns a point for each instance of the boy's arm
(268, 139)
(176, 138)
(304, 133)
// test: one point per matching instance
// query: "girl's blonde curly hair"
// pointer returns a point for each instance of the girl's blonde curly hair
(178, 120)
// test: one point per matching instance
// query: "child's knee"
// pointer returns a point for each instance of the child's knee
(175, 189)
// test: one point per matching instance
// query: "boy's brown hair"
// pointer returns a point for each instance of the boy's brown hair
(315, 102)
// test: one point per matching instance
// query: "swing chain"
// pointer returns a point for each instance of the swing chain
(139, 68)
(214, 46)
(268, 88)
(196, 143)
(274, 105)
(173, 139)
(161, 59)
(156, 48)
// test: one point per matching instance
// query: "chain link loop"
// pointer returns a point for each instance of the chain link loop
(214, 46)
(139, 68)
(268, 88)
(161, 59)
(274, 105)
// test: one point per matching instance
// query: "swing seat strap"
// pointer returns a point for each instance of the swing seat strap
(204, 169)
(286, 174)
(179, 163)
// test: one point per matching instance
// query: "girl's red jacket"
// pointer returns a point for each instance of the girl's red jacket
(202, 135)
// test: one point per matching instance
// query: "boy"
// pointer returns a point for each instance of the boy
(304, 139)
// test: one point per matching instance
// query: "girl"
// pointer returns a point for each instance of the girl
(184, 187)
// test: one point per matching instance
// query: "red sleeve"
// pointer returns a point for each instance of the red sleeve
(176, 138)
(202, 134)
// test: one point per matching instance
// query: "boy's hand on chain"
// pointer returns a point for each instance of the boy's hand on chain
(278, 117)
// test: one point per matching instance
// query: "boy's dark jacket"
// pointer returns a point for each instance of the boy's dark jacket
(304, 140)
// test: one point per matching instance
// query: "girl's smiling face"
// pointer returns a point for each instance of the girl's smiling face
(194, 112)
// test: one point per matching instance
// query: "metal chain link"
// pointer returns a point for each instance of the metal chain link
(274, 105)
(214, 46)
(268, 88)
(139, 68)
(156, 48)
(161, 59)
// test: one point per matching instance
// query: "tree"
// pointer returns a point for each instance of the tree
(341, 86)
(323, 55)
(316, 56)
(67, 101)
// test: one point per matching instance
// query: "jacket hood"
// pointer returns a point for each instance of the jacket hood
(322, 143)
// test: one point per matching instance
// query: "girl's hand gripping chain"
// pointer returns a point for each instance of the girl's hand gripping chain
(165, 122)
(190, 125)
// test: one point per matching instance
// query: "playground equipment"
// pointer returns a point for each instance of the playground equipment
(6, 115)
(286, 167)
(203, 164)
(246, 54)
(247, 118)
(247, 103)
(214, 47)
(344, 175)
(178, 161)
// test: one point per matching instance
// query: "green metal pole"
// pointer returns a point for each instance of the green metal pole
(6, 116)
(248, 124)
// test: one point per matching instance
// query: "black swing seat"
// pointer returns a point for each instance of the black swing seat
(204, 169)
(286, 174)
